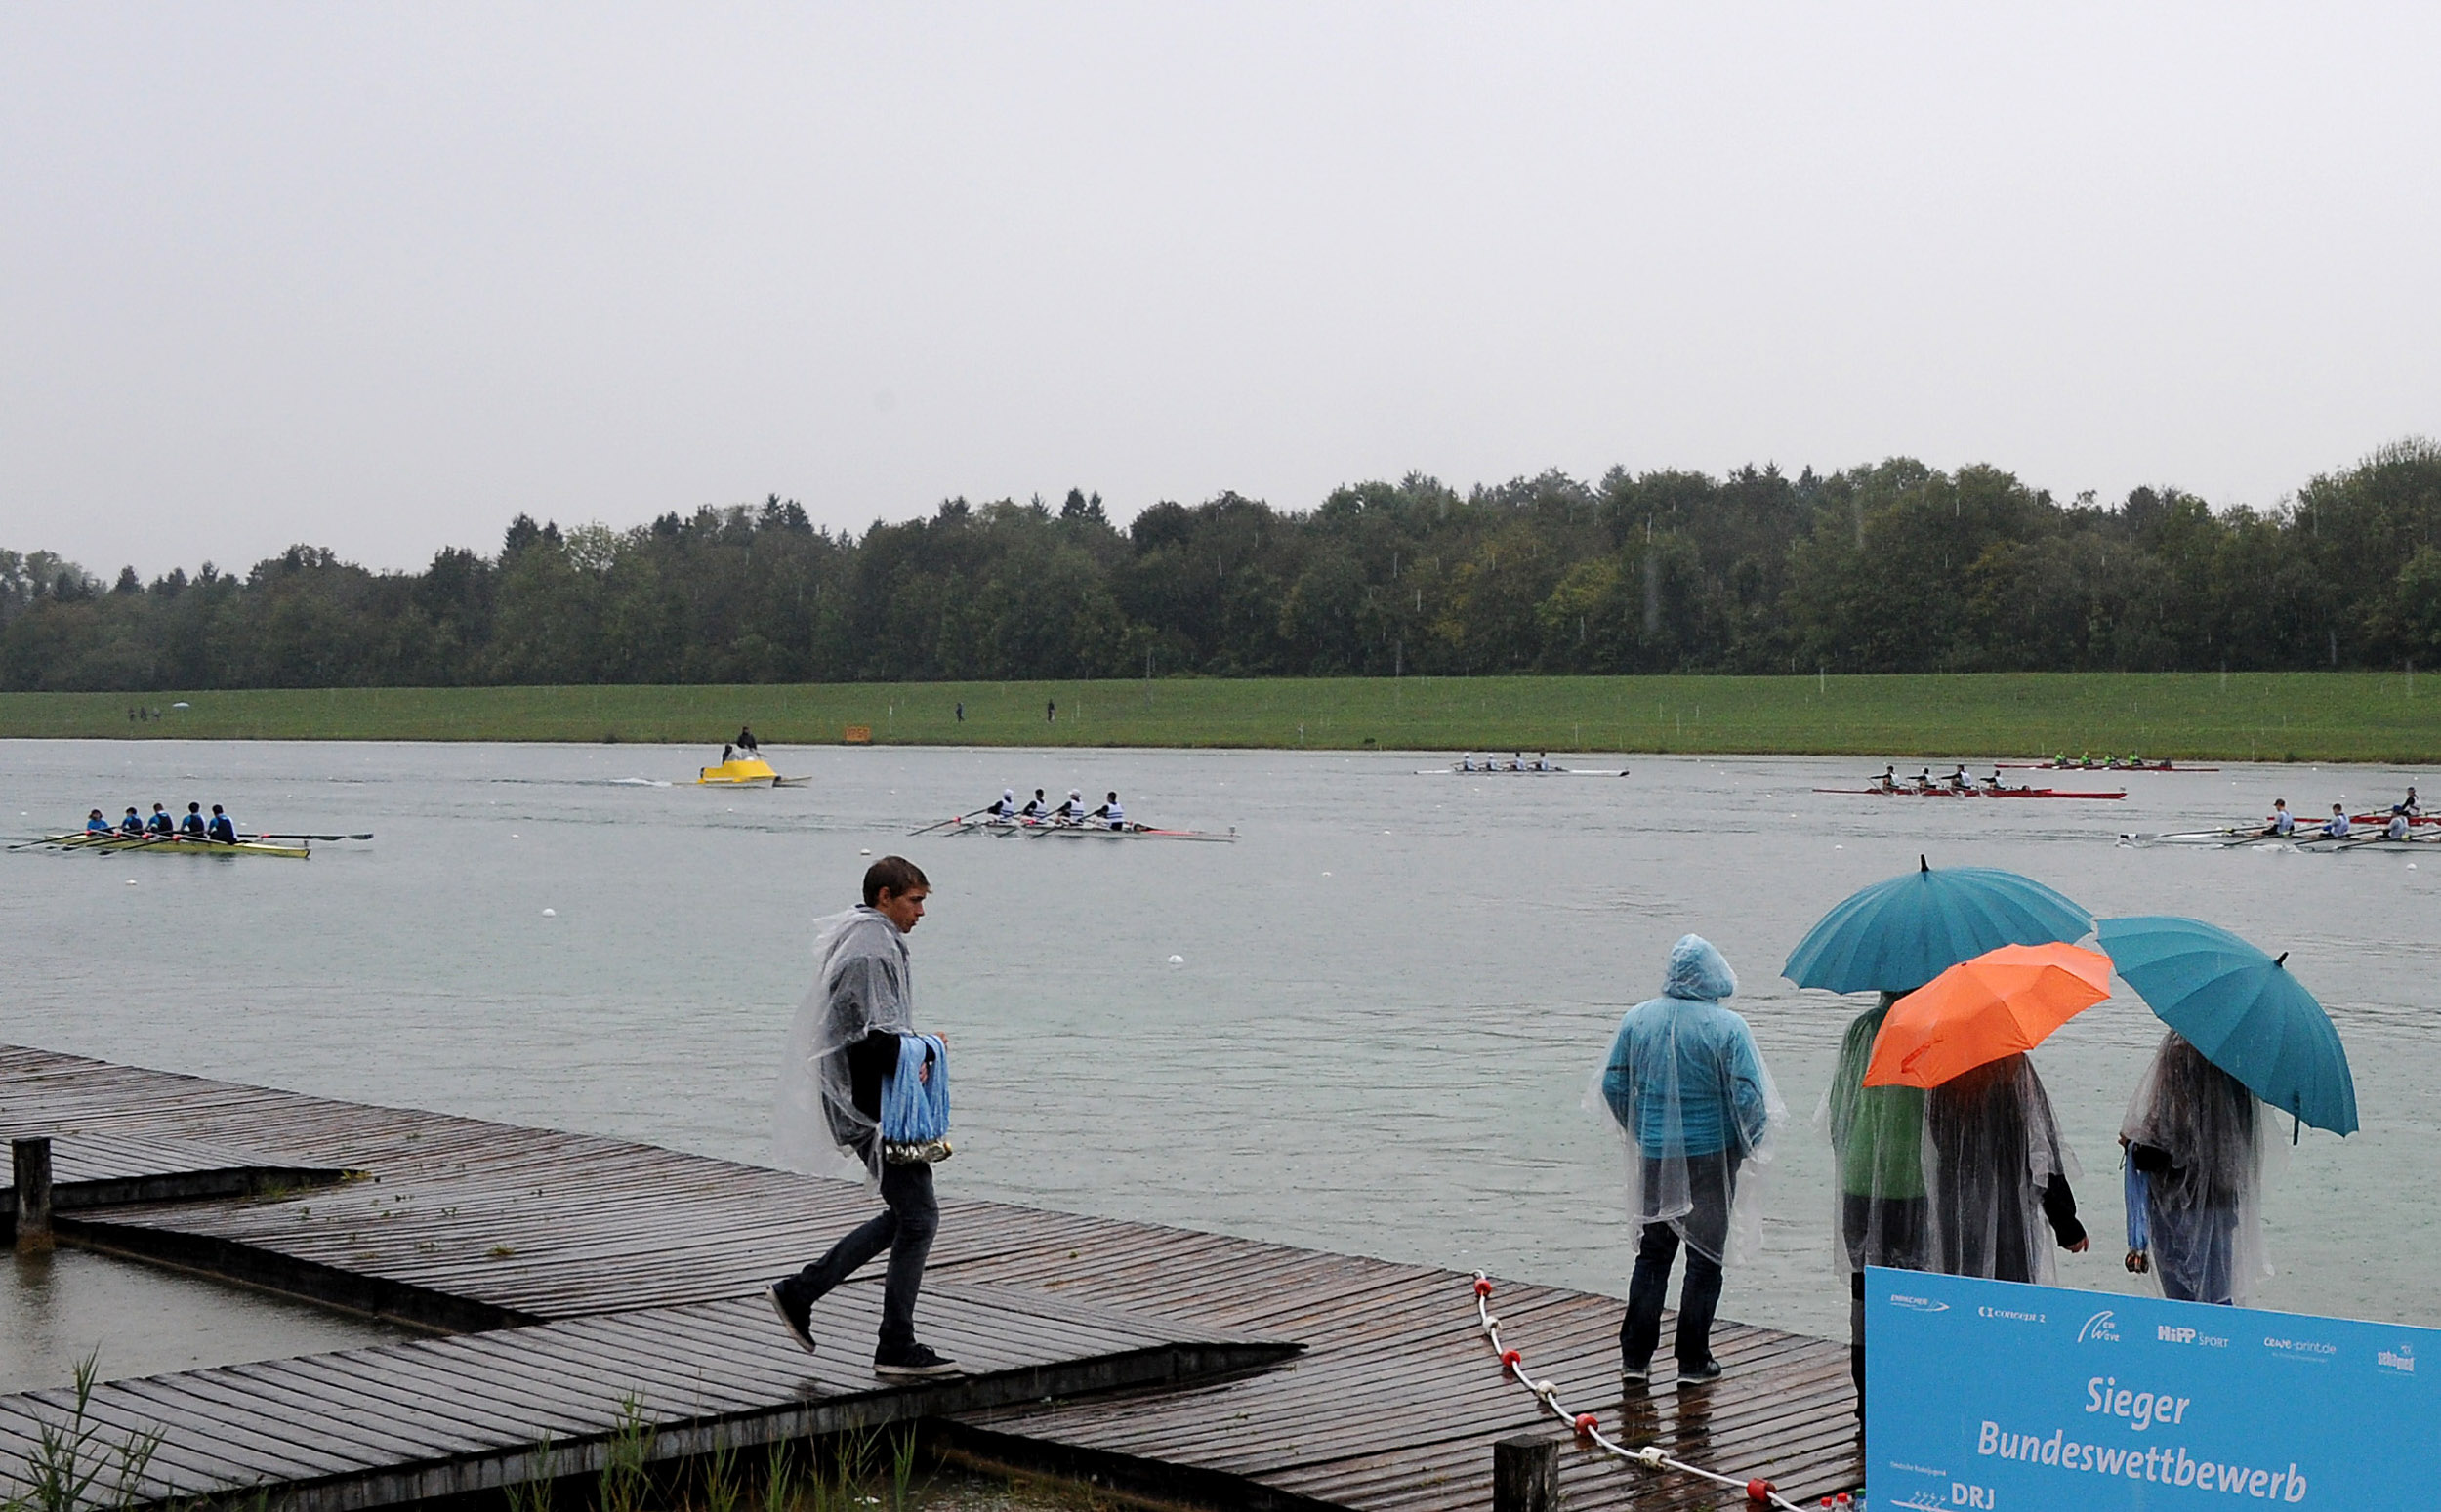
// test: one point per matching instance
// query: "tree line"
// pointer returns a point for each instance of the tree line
(1893, 568)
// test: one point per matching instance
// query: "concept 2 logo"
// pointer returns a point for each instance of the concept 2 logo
(1919, 1304)
(2103, 1326)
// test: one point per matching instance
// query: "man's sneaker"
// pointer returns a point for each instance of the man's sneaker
(796, 1317)
(911, 1363)
(1699, 1375)
(1633, 1375)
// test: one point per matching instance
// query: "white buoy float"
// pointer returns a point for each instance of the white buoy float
(550, 913)
(1179, 960)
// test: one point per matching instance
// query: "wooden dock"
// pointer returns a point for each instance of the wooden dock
(581, 1281)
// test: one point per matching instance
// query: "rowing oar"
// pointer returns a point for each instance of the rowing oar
(946, 823)
(366, 836)
(63, 841)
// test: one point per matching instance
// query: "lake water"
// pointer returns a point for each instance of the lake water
(1392, 991)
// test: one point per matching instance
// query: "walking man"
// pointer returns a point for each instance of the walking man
(1689, 1089)
(844, 1045)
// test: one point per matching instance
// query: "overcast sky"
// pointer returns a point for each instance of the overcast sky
(380, 276)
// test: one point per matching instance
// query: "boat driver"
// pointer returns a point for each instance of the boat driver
(95, 823)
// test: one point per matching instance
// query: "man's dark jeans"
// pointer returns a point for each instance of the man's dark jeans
(1711, 1180)
(906, 1231)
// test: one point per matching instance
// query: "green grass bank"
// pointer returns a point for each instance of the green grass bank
(2271, 717)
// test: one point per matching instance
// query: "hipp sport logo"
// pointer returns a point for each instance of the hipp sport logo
(2101, 1328)
(2398, 1362)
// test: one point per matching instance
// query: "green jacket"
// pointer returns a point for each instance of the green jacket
(1876, 1131)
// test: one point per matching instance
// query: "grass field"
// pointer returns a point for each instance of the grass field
(2307, 717)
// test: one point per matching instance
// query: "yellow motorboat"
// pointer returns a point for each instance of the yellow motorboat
(744, 772)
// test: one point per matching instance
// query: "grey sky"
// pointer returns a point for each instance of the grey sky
(378, 276)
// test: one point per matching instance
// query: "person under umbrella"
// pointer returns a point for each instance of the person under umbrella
(1996, 1171)
(1687, 1085)
(2195, 1178)
(1895, 937)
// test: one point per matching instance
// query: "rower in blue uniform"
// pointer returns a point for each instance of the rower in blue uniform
(2336, 826)
(2281, 822)
(222, 828)
(1005, 810)
(192, 824)
(95, 823)
(1111, 814)
(1035, 809)
(160, 823)
(2396, 829)
(133, 823)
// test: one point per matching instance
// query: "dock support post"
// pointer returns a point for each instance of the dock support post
(29, 1161)
(1525, 1474)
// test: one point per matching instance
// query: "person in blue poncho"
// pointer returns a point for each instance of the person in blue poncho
(1690, 1091)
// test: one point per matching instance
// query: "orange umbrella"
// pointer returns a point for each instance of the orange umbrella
(2000, 1002)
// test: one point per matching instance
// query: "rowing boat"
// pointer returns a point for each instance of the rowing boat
(1514, 771)
(1037, 829)
(747, 772)
(162, 844)
(2413, 820)
(2102, 766)
(2300, 840)
(1975, 793)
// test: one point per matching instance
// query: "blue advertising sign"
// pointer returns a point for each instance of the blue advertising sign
(1987, 1396)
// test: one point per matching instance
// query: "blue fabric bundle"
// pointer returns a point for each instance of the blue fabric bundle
(915, 1108)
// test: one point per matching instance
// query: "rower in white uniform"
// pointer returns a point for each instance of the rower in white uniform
(1111, 814)
(1036, 808)
(1005, 810)
(2281, 822)
(1072, 810)
(2336, 826)
(2396, 829)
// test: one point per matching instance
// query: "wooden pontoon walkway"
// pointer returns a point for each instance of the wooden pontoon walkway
(578, 1278)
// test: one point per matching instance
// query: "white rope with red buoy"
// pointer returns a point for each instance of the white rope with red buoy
(1589, 1427)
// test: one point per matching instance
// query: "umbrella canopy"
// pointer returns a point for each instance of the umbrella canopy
(2241, 1010)
(1897, 935)
(2003, 1002)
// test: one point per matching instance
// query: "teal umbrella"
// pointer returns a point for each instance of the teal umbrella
(2241, 1010)
(1897, 935)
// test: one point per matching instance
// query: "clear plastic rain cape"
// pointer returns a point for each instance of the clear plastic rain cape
(1689, 1093)
(2195, 1140)
(862, 981)
(1879, 1214)
(1991, 1148)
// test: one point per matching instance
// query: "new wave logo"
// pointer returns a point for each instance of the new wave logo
(2398, 1362)
(2101, 1328)
(1918, 1304)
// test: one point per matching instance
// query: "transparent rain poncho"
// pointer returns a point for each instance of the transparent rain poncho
(1991, 1149)
(1689, 1092)
(2195, 1139)
(1878, 1211)
(863, 981)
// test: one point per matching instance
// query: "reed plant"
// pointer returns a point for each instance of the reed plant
(65, 1469)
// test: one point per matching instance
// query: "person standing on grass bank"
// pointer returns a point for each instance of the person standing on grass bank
(843, 1047)
(1687, 1085)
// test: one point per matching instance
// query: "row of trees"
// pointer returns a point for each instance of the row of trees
(1895, 567)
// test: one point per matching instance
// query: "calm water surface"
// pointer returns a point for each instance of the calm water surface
(1392, 992)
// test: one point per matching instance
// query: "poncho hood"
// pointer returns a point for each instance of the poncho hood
(1698, 971)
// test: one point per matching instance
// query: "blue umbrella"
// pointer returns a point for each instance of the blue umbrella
(1897, 935)
(2242, 1010)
